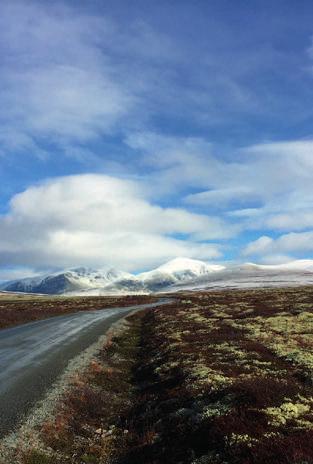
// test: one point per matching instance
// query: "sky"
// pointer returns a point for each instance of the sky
(133, 132)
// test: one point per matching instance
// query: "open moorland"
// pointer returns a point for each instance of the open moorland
(211, 378)
(20, 308)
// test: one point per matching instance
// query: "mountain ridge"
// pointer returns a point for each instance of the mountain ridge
(176, 274)
(83, 279)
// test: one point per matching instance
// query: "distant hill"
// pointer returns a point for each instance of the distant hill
(177, 274)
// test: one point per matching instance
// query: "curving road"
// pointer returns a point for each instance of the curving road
(33, 355)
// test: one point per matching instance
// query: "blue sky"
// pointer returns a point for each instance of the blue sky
(134, 132)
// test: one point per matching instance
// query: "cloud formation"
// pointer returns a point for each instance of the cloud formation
(266, 186)
(57, 86)
(288, 245)
(66, 77)
(72, 74)
(103, 221)
(182, 122)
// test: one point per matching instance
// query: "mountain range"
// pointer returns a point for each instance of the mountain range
(177, 274)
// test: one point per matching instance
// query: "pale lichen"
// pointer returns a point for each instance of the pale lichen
(291, 411)
(239, 439)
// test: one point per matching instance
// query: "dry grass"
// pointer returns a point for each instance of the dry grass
(87, 427)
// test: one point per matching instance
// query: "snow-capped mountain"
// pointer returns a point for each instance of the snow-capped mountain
(177, 274)
(73, 280)
(88, 281)
(176, 271)
(250, 275)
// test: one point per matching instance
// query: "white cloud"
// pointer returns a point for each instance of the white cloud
(291, 243)
(176, 162)
(68, 76)
(55, 79)
(275, 259)
(16, 273)
(266, 186)
(103, 221)
(259, 246)
(296, 220)
(223, 196)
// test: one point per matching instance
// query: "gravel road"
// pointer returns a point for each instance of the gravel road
(33, 355)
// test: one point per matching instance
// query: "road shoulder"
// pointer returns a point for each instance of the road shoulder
(27, 443)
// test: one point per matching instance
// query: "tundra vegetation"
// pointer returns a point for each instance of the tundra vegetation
(19, 309)
(211, 378)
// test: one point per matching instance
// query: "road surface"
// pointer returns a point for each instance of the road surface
(33, 355)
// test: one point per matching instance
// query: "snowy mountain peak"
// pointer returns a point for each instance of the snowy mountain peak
(175, 271)
(193, 265)
(177, 274)
(84, 280)
(86, 277)
(69, 281)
